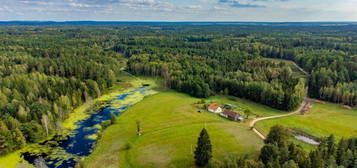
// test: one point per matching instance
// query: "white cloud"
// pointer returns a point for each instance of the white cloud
(5, 9)
(82, 5)
(194, 7)
(37, 2)
(233, 10)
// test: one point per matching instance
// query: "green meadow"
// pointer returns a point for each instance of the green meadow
(322, 120)
(170, 124)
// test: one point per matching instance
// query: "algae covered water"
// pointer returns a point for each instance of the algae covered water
(67, 152)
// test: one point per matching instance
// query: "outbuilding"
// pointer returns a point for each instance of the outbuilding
(231, 115)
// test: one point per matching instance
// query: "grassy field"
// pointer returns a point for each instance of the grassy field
(171, 124)
(322, 120)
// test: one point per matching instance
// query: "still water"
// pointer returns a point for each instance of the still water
(307, 140)
(66, 153)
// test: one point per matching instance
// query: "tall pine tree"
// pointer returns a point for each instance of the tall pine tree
(203, 152)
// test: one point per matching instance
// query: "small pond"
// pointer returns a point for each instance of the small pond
(307, 140)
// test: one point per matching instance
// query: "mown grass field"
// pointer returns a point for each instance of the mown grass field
(322, 120)
(171, 124)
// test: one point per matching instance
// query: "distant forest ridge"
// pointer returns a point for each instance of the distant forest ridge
(49, 23)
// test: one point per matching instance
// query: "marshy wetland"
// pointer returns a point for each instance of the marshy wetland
(81, 130)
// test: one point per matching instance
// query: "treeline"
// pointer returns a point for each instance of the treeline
(204, 68)
(328, 54)
(41, 84)
(329, 68)
(345, 93)
(262, 81)
(279, 152)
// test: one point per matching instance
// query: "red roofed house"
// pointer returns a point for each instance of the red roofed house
(214, 108)
(231, 115)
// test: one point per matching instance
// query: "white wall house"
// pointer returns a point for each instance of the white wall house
(214, 108)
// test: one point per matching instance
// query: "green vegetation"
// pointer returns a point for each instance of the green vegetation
(322, 120)
(170, 123)
(203, 151)
(279, 152)
(300, 73)
(278, 134)
(238, 73)
(232, 60)
(80, 113)
(43, 80)
(51, 76)
(10, 160)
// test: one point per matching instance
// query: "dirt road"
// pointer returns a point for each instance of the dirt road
(298, 111)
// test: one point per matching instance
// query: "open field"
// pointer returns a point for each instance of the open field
(322, 120)
(171, 125)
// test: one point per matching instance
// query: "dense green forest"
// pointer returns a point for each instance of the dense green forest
(47, 71)
(203, 60)
(44, 74)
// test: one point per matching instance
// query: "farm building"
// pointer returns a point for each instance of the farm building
(214, 108)
(231, 115)
(229, 106)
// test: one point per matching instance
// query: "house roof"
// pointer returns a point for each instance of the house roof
(230, 113)
(213, 106)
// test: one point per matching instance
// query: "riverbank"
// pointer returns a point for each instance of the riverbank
(78, 114)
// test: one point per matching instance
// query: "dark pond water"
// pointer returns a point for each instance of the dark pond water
(66, 153)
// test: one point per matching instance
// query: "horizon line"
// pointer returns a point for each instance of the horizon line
(168, 21)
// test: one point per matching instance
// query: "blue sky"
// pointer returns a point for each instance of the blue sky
(179, 10)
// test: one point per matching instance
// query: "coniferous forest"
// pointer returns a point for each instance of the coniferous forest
(44, 74)
(47, 71)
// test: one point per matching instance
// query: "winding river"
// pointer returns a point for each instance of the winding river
(67, 152)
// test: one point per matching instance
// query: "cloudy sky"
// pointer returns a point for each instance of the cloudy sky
(179, 10)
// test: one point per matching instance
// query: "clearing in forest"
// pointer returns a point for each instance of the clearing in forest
(322, 120)
(170, 126)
